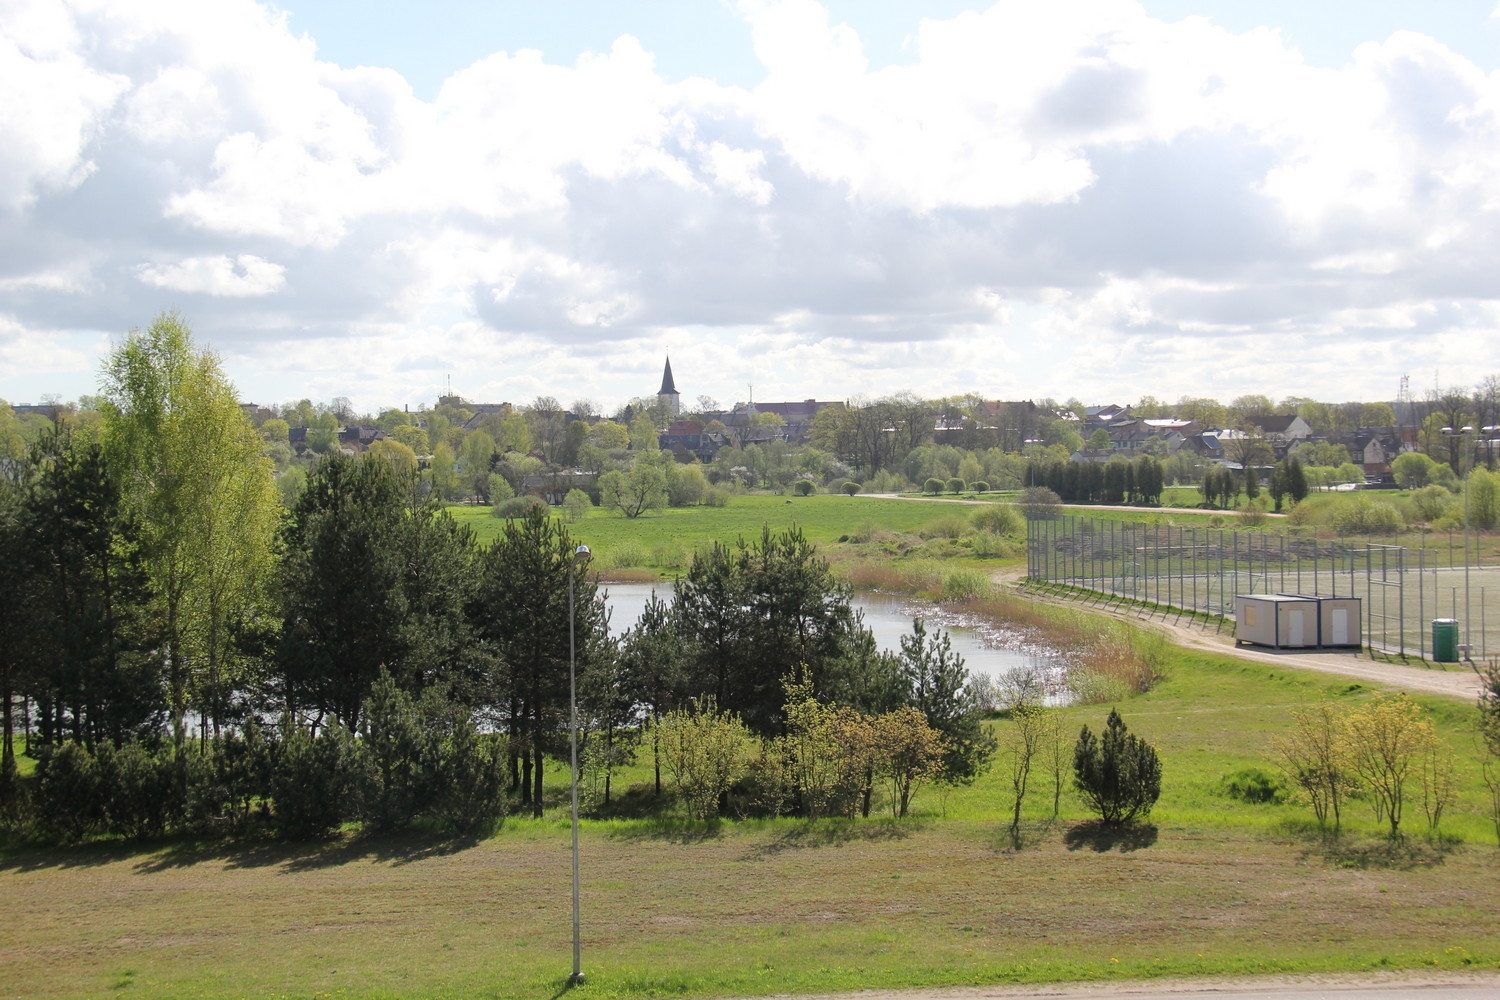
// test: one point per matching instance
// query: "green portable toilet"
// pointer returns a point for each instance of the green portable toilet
(1445, 640)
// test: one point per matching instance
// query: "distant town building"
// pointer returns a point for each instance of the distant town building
(1283, 431)
(484, 410)
(668, 394)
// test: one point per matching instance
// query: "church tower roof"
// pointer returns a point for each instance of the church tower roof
(668, 387)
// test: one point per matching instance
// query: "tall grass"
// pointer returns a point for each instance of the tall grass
(675, 555)
(929, 578)
(1108, 660)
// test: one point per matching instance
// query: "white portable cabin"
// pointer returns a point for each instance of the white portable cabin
(1338, 620)
(1276, 620)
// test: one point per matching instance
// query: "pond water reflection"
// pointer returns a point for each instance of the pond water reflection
(986, 649)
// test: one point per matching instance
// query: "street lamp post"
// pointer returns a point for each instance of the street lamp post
(580, 556)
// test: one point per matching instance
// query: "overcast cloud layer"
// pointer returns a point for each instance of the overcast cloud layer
(1065, 199)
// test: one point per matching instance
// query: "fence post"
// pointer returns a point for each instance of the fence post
(1421, 609)
(1401, 597)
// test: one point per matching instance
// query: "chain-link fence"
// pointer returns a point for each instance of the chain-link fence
(1200, 570)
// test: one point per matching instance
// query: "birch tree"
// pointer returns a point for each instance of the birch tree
(194, 474)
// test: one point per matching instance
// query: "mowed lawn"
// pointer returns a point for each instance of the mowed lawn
(660, 537)
(1214, 887)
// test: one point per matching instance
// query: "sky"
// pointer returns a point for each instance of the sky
(1096, 199)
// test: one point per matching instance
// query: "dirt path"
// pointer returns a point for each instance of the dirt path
(1068, 506)
(1362, 986)
(1359, 665)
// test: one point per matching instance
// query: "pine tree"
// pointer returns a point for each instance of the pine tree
(936, 682)
(520, 609)
(1119, 776)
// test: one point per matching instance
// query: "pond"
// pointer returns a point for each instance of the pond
(986, 648)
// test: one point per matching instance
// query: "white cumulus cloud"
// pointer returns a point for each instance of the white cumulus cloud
(234, 277)
(1041, 195)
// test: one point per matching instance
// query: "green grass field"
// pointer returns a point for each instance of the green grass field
(1213, 887)
(666, 540)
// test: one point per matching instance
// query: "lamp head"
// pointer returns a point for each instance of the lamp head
(581, 554)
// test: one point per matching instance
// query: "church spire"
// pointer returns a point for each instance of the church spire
(668, 391)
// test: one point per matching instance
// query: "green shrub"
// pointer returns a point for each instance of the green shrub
(624, 556)
(932, 487)
(517, 507)
(1095, 687)
(671, 553)
(997, 519)
(577, 505)
(1483, 503)
(716, 496)
(1367, 517)
(143, 791)
(237, 778)
(69, 799)
(394, 786)
(980, 487)
(947, 526)
(850, 488)
(686, 485)
(498, 488)
(989, 546)
(1313, 511)
(955, 485)
(1430, 503)
(1038, 503)
(471, 777)
(316, 782)
(1255, 786)
(803, 487)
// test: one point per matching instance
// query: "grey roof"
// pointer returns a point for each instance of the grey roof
(1278, 423)
(668, 387)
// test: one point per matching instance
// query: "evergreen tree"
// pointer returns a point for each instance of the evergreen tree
(14, 620)
(520, 610)
(757, 614)
(1296, 479)
(88, 632)
(936, 682)
(1119, 776)
(711, 609)
(342, 584)
(653, 659)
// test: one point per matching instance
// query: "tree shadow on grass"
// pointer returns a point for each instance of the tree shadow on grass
(294, 856)
(1031, 833)
(32, 857)
(1401, 854)
(816, 833)
(669, 829)
(1096, 836)
(300, 856)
